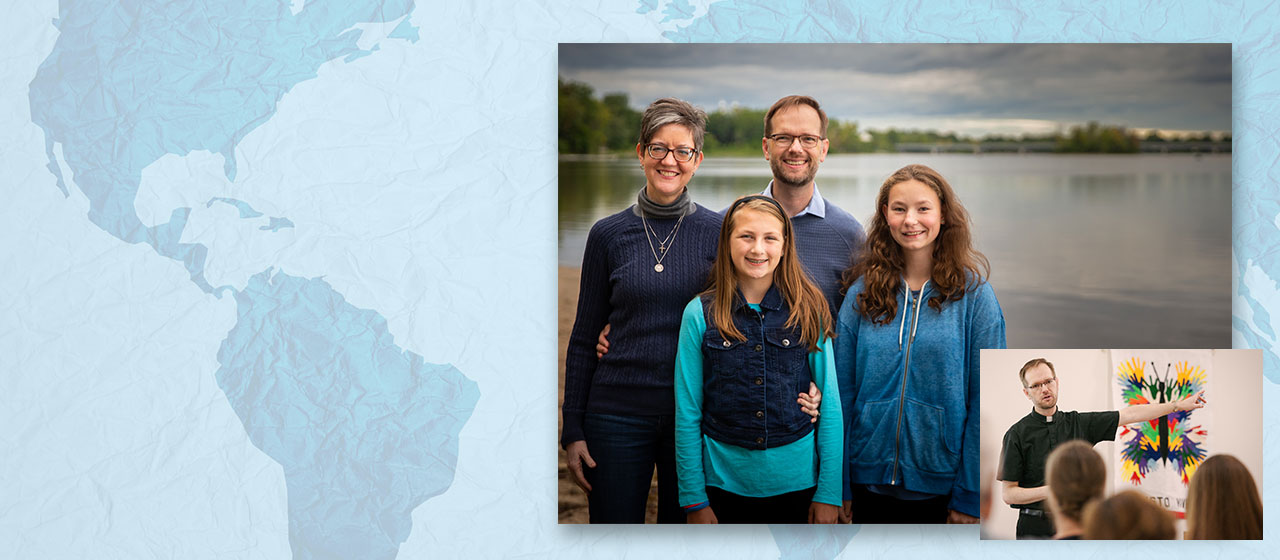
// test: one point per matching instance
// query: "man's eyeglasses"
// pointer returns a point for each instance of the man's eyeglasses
(658, 151)
(1041, 384)
(785, 140)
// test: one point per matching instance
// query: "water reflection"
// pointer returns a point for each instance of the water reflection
(1087, 251)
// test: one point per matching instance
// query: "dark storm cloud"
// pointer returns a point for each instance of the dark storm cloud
(1170, 86)
(888, 59)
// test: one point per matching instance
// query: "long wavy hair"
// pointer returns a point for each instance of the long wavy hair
(957, 266)
(1223, 501)
(809, 311)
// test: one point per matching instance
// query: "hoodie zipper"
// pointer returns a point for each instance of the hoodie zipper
(906, 364)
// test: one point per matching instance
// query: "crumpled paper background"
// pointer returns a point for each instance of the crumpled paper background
(416, 163)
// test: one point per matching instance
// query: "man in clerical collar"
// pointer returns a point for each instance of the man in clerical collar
(1028, 442)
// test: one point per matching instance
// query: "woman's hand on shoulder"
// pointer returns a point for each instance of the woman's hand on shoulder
(575, 456)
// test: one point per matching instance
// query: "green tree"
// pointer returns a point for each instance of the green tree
(581, 119)
(844, 137)
(1096, 138)
(622, 128)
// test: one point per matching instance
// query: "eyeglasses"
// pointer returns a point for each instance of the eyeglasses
(785, 140)
(658, 152)
(1041, 384)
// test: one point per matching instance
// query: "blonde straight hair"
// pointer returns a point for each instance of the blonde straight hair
(809, 311)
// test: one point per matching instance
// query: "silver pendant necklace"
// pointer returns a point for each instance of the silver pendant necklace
(663, 245)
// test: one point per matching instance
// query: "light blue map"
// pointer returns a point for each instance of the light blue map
(274, 223)
(246, 211)
(240, 236)
(365, 430)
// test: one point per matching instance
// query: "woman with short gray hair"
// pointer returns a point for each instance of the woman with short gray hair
(641, 266)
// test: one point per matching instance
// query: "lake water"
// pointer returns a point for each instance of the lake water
(1087, 251)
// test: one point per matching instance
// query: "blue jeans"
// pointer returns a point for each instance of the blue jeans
(626, 450)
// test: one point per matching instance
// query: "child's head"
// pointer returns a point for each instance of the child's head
(756, 236)
(947, 233)
(1076, 476)
(1223, 501)
(1128, 516)
(757, 242)
(917, 213)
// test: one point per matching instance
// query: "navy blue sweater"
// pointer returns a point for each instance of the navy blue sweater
(643, 308)
(826, 247)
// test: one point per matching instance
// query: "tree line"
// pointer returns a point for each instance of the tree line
(589, 125)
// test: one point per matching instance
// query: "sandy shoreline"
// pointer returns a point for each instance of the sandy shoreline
(572, 500)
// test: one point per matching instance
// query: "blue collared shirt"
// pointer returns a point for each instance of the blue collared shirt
(816, 206)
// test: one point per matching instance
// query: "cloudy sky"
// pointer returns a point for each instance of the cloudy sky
(968, 89)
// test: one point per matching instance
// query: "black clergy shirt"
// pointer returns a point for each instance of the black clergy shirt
(1028, 442)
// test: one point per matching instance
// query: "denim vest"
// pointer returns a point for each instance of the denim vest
(749, 388)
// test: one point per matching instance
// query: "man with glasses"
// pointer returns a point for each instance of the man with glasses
(827, 238)
(1028, 442)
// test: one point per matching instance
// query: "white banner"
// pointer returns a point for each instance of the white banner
(1159, 456)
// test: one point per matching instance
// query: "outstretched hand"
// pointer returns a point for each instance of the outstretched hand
(1191, 403)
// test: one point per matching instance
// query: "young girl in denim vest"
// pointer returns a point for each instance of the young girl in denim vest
(745, 453)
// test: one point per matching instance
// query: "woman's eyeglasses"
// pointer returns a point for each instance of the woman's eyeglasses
(658, 152)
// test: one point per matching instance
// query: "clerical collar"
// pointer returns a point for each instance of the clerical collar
(1047, 419)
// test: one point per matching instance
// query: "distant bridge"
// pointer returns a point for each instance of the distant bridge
(1047, 147)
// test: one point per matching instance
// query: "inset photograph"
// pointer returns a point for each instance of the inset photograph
(1121, 444)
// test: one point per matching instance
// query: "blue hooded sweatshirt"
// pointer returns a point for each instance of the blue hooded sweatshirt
(909, 392)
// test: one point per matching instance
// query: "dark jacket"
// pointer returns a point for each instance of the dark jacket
(743, 380)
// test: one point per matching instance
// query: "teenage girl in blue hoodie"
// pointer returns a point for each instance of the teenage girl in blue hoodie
(745, 453)
(917, 312)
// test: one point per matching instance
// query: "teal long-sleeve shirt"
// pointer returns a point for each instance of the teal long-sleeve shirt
(702, 461)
